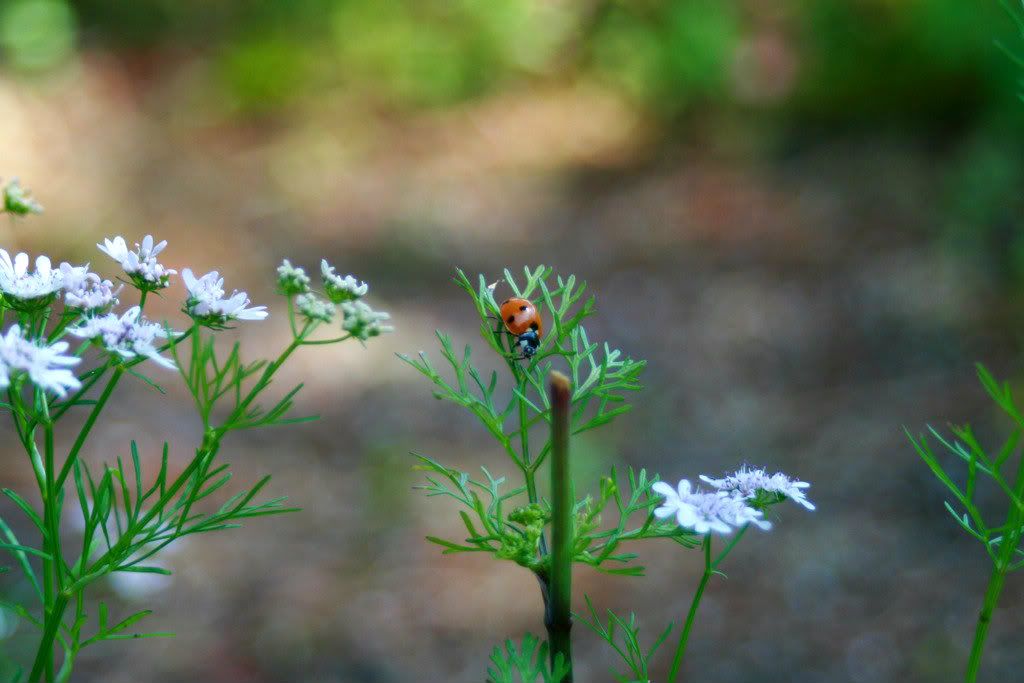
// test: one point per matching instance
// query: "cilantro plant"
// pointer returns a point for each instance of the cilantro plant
(570, 386)
(1002, 468)
(128, 516)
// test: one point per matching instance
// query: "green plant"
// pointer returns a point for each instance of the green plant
(129, 516)
(532, 424)
(1005, 469)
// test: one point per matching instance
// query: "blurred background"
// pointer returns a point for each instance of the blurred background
(805, 214)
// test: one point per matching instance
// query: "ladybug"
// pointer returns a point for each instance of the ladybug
(522, 319)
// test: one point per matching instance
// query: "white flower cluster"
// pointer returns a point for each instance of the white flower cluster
(362, 322)
(127, 336)
(20, 286)
(141, 264)
(735, 500)
(86, 291)
(341, 289)
(314, 308)
(750, 484)
(207, 305)
(705, 511)
(345, 293)
(47, 366)
(291, 279)
(17, 200)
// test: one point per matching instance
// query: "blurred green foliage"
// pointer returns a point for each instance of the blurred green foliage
(36, 34)
(931, 70)
(856, 60)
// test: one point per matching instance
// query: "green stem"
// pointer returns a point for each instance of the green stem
(1000, 567)
(684, 637)
(264, 381)
(558, 617)
(90, 421)
(44, 655)
(333, 340)
(995, 587)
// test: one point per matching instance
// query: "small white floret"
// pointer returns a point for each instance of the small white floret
(340, 289)
(207, 305)
(127, 336)
(47, 366)
(140, 264)
(705, 511)
(21, 285)
(362, 322)
(748, 482)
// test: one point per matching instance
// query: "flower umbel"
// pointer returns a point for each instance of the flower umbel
(46, 366)
(362, 322)
(17, 200)
(760, 488)
(141, 264)
(291, 279)
(127, 336)
(24, 289)
(340, 289)
(86, 291)
(206, 303)
(314, 308)
(705, 511)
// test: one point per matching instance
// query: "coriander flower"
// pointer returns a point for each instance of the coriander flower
(314, 308)
(362, 322)
(752, 484)
(141, 264)
(704, 511)
(127, 336)
(291, 279)
(17, 200)
(22, 287)
(206, 303)
(339, 289)
(46, 366)
(86, 291)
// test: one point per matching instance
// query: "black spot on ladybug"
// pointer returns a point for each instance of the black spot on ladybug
(511, 319)
(533, 326)
(522, 308)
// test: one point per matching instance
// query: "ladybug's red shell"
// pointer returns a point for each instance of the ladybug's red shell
(519, 316)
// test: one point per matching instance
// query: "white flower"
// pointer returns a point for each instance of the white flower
(291, 279)
(705, 511)
(46, 366)
(128, 336)
(85, 290)
(141, 264)
(19, 285)
(207, 305)
(315, 308)
(339, 289)
(16, 200)
(362, 322)
(750, 483)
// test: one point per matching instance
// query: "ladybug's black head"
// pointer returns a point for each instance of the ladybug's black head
(529, 341)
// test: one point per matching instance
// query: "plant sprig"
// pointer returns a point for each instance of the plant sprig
(128, 517)
(525, 663)
(627, 631)
(1002, 541)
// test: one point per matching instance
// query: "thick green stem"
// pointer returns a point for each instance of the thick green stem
(684, 637)
(558, 617)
